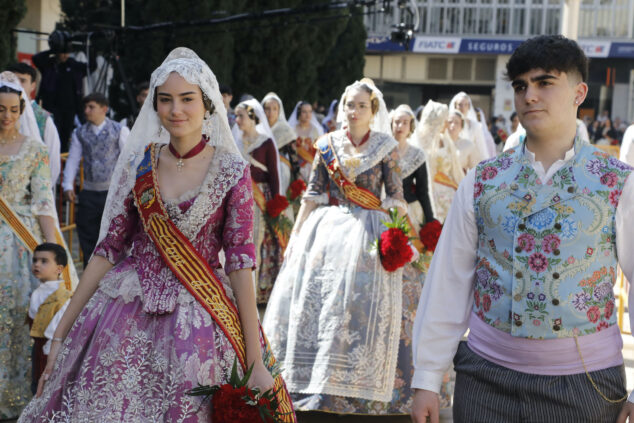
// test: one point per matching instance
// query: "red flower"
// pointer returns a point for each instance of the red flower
(489, 172)
(430, 233)
(614, 197)
(538, 262)
(550, 243)
(486, 302)
(476, 294)
(477, 189)
(593, 314)
(276, 205)
(394, 249)
(610, 179)
(297, 188)
(602, 325)
(609, 309)
(526, 242)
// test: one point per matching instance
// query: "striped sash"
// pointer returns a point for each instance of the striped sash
(194, 272)
(28, 239)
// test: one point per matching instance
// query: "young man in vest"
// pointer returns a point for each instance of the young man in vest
(99, 142)
(48, 130)
(527, 261)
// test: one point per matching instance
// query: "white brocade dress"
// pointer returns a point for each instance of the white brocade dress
(334, 316)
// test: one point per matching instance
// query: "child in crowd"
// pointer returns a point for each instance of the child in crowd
(49, 260)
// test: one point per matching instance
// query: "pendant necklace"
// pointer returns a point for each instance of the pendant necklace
(191, 153)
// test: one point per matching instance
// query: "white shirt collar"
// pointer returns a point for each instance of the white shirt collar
(40, 295)
(97, 128)
(545, 175)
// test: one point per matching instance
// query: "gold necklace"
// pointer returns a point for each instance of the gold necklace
(5, 141)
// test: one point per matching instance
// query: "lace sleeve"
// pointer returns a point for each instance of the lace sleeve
(115, 246)
(393, 182)
(237, 236)
(317, 190)
(42, 201)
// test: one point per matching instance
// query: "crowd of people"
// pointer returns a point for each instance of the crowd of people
(373, 239)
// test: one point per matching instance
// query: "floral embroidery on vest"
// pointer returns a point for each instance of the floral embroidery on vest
(546, 260)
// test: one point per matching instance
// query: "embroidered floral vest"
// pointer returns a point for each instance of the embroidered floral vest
(546, 258)
(100, 153)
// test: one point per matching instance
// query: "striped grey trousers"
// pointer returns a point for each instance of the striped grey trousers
(488, 393)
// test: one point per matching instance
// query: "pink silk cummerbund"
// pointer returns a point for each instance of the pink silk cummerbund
(552, 357)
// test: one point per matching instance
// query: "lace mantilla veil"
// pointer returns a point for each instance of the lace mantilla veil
(293, 120)
(194, 70)
(381, 121)
(283, 132)
(28, 123)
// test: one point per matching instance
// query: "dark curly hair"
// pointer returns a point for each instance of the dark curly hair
(9, 90)
(548, 52)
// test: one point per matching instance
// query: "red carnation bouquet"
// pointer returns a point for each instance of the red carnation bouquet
(429, 234)
(393, 244)
(294, 194)
(234, 402)
(280, 223)
(295, 190)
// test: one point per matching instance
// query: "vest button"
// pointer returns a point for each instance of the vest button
(517, 297)
(558, 226)
(518, 323)
(521, 227)
(555, 275)
(556, 328)
(571, 189)
(518, 275)
(518, 249)
(556, 252)
(514, 186)
(555, 301)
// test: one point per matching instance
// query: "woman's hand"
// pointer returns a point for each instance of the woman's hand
(50, 363)
(260, 378)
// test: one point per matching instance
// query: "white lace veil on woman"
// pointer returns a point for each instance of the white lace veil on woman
(147, 127)
(28, 123)
(381, 120)
(262, 128)
(292, 120)
(284, 133)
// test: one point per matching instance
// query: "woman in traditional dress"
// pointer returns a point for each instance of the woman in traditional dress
(27, 202)
(256, 143)
(334, 316)
(330, 121)
(308, 129)
(468, 154)
(155, 313)
(412, 165)
(285, 138)
(443, 165)
(473, 129)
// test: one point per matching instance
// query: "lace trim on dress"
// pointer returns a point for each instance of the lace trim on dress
(283, 133)
(413, 158)
(355, 161)
(25, 148)
(225, 171)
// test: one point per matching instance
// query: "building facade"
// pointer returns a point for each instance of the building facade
(463, 45)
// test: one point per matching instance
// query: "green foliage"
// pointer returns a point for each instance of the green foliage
(11, 13)
(310, 56)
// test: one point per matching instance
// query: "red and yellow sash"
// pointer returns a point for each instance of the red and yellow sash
(443, 179)
(28, 239)
(357, 195)
(304, 150)
(193, 271)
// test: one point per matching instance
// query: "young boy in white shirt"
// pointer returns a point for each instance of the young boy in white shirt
(49, 261)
